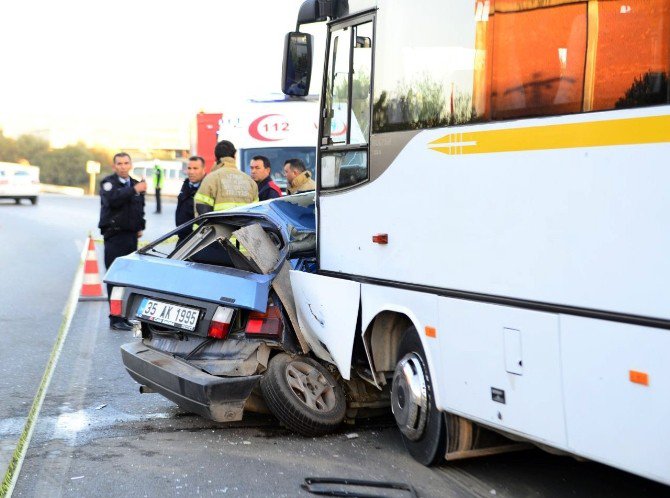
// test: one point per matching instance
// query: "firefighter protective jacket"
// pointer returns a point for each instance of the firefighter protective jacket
(302, 183)
(225, 188)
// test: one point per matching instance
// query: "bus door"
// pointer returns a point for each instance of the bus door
(345, 126)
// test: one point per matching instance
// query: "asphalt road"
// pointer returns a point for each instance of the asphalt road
(96, 435)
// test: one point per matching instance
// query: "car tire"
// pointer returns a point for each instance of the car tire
(421, 424)
(303, 395)
(33, 200)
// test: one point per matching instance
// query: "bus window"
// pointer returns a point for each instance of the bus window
(638, 75)
(549, 79)
(424, 73)
(360, 84)
(343, 169)
(347, 106)
(337, 103)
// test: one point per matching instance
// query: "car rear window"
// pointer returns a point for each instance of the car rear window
(21, 173)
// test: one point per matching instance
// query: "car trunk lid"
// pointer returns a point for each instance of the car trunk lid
(216, 284)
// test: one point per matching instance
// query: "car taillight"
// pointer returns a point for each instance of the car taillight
(267, 324)
(4, 182)
(116, 302)
(220, 324)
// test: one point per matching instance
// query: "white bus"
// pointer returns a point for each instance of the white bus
(496, 246)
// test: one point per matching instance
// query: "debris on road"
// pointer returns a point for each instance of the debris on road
(333, 486)
(101, 406)
(352, 435)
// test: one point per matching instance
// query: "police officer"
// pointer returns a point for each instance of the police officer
(185, 206)
(121, 218)
(226, 187)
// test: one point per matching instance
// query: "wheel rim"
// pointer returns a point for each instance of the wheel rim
(409, 398)
(310, 386)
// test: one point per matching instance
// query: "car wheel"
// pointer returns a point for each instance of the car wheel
(303, 395)
(33, 200)
(421, 425)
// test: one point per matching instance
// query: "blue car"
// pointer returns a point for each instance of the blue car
(215, 322)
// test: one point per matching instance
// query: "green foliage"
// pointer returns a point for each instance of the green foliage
(8, 151)
(66, 166)
(424, 103)
(649, 89)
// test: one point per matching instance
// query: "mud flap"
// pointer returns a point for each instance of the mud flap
(466, 439)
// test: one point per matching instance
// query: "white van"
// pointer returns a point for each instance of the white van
(19, 182)
(174, 174)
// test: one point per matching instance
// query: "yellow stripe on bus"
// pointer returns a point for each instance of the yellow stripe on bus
(646, 130)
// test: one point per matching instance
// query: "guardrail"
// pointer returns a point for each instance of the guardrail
(60, 189)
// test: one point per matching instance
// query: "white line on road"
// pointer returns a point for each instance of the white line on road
(14, 468)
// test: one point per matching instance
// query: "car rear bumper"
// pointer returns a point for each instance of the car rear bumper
(220, 399)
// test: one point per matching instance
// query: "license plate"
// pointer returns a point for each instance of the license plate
(168, 314)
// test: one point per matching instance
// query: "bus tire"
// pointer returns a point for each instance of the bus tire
(303, 395)
(421, 425)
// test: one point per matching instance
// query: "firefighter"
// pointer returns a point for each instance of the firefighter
(226, 187)
(297, 177)
(121, 218)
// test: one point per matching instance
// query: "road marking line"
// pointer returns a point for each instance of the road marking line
(15, 464)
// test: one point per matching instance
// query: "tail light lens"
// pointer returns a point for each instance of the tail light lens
(266, 324)
(116, 302)
(220, 324)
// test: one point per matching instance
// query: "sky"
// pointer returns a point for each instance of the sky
(111, 72)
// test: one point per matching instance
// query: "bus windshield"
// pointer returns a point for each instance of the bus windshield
(278, 156)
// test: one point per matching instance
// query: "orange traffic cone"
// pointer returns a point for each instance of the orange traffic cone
(92, 286)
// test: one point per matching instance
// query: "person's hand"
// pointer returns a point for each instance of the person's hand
(139, 234)
(140, 187)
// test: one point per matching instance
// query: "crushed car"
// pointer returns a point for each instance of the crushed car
(215, 321)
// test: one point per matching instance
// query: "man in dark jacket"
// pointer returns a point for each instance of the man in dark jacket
(121, 218)
(185, 208)
(260, 172)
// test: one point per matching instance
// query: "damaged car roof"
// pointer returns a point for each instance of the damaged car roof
(296, 211)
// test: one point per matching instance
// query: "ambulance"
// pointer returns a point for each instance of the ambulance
(277, 127)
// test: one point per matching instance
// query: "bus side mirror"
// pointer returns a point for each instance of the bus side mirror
(297, 65)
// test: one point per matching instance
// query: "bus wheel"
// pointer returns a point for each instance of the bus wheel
(303, 395)
(413, 404)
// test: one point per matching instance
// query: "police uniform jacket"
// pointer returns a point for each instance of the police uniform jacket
(122, 209)
(185, 205)
(267, 189)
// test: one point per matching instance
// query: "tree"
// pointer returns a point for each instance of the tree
(31, 147)
(649, 89)
(8, 150)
